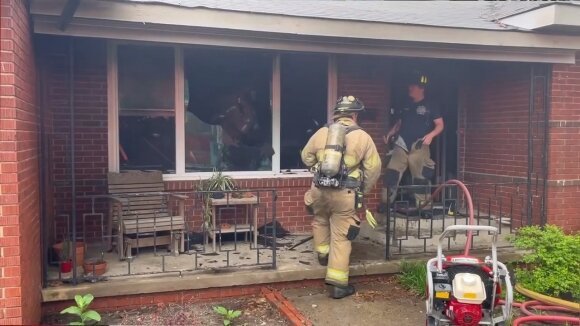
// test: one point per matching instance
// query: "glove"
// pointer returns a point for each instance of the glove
(371, 219)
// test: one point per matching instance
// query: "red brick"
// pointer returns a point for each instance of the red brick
(9, 281)
(12, 292)
(13, 312)
(18, 167)
(10, 251)
(10, 302)
(12, 271)
(11, 321)
(9, 261)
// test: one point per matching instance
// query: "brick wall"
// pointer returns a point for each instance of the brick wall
(20, 263)
(290, 210)
(90, 125)
(493, 139)
(564, 147)
(368, 78)
(493, 121)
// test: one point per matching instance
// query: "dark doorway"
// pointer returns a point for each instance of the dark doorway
(304, 85)
(442, 89)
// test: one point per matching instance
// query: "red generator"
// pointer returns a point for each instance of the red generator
(465, 291)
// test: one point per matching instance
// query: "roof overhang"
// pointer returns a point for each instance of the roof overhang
(555, 17)
(201, 26)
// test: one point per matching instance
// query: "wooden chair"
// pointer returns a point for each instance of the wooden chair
(141, 212)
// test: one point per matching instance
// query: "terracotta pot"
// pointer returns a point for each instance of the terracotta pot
(80, 251)
(66, 266)
(95, 267)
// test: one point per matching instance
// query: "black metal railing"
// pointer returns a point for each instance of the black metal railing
(411, 229)
(222, 230)
(238, 230)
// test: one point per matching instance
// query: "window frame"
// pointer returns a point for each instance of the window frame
(180, 173)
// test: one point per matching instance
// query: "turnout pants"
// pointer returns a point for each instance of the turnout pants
(422, 169)
(334, 215)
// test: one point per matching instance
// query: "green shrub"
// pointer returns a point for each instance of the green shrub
(414, 277)
(552, 264)
(81, 310)
(227, 315)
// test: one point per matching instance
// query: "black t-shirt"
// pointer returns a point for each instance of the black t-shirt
(417, 120)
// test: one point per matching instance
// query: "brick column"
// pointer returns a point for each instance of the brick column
(368, 79)
(20, 259)
(564, 147)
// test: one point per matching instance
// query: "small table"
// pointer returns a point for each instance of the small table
(251, 204)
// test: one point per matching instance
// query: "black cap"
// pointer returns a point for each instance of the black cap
(419, 79)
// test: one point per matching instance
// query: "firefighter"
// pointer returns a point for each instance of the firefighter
(416, 125)
(346, 164)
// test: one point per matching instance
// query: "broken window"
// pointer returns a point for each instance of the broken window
(304, 107)
(146, 77)
(226, 106)
(228, 121)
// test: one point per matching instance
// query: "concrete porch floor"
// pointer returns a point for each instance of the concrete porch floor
(147, 276)
(148, 263)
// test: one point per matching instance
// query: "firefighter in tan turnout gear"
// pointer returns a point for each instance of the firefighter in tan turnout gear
(415, 128)
(346, 164)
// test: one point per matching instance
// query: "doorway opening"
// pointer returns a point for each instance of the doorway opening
(443, 76)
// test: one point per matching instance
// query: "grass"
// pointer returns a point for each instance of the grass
(414, 277)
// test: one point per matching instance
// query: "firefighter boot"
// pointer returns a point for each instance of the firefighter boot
(339, 292)
(323, 259)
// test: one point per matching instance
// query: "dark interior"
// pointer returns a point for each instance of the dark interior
(304, 84)
(442, 88)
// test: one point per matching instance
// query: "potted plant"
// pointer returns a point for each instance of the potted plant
(214, 187)
(64, 256)
(95, 266)
(218, 183)
(64, 251)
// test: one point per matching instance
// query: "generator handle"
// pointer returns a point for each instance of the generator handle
(469, 228)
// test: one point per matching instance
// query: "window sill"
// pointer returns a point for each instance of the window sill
(238, 175)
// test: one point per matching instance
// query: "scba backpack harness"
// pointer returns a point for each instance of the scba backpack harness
(332, 171)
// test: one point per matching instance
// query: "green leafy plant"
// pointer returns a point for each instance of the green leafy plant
(81, 310)
(227, 315)
(550, 265)
(218, 182)
(414, 277)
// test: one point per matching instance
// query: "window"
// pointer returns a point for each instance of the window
(146, 108)
(228, 122)
(187, 111)
(304, 104)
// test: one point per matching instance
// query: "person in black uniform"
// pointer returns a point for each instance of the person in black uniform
(416, 125)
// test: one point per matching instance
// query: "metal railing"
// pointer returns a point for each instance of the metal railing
(217, 236)
(413, 230)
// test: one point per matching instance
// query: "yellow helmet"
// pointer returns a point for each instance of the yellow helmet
(348, 104)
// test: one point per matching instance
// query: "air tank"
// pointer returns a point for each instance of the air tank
(332, 157)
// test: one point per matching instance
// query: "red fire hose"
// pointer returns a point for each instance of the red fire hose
(553, 305)
(469, 207)
(562, 319)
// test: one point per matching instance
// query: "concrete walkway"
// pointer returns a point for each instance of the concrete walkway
(376, 303)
